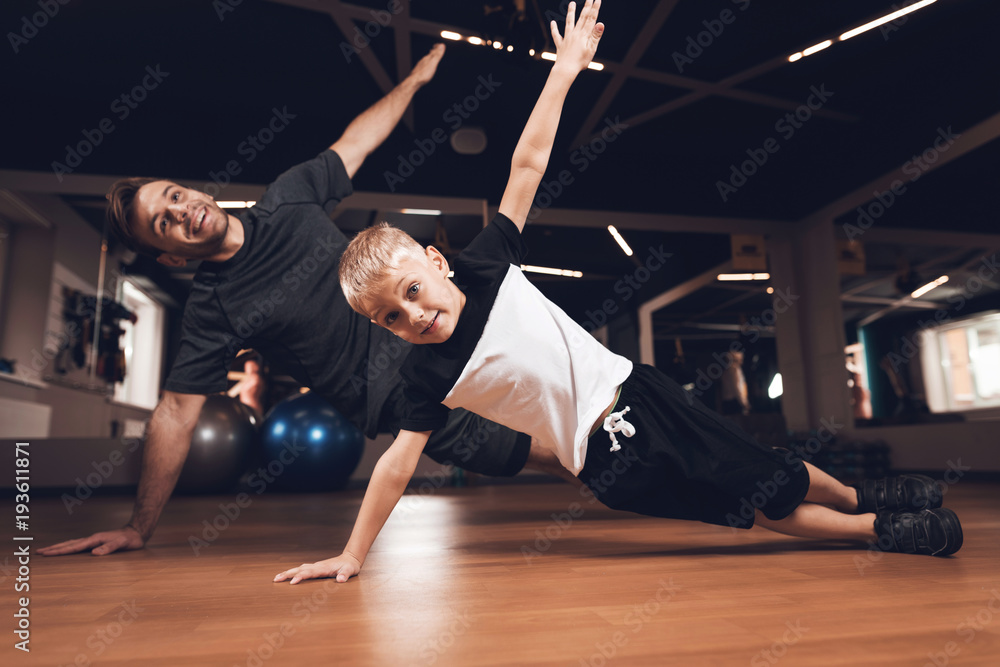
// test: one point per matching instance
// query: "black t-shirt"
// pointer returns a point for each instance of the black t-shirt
(280, 295)
(432, 370)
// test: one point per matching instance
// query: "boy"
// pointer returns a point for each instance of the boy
(498, 348)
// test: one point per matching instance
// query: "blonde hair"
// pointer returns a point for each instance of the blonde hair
(370, 256)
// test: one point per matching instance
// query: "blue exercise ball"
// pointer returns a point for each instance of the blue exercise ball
(308, 445)
(221, 445)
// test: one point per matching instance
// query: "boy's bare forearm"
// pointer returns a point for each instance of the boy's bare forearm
(535, 145)
(388, 482)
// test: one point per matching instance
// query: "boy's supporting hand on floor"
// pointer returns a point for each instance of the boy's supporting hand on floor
(343, 567)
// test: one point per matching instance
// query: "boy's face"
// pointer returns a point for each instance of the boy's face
(417, 301)
(181, 222)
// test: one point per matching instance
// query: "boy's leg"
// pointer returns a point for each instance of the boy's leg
(819, 522)
(544, 460)
(934, 531)
(827, 490)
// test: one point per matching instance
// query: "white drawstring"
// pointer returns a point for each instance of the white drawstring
(615, 422)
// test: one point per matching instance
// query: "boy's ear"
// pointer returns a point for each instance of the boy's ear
(437, 260)
(172, 261)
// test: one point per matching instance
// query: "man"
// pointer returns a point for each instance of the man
(268, 280)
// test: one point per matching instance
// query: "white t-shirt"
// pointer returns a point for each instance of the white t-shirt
(514, 358)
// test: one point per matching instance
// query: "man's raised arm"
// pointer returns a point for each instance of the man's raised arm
(168, 439)
(373, 126)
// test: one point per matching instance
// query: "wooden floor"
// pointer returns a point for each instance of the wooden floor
(487, 576)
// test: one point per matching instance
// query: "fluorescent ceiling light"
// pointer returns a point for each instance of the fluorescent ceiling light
(818, 47)
(420, 211)
(861, 28)
(552, 272)
(448, 34)
(235, 204)
(551, 56)
(920, 291)
(621, 241)
(744, 276)
(885, 19)
(474, 40)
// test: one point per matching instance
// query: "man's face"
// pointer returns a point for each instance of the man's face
(182, 223)
(417, 301)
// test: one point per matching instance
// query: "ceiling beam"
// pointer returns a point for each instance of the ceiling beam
(401, 32)
(621, 71)
(656, 222)
(886, 301)
(966, 141)
(343, 15)
(928, 237)
(650, 27)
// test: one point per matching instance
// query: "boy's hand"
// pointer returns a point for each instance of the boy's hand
(425, 68)
(343, 567)
(576, 49)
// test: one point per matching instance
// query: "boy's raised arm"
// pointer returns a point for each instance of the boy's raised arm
(389, 479)
(574, 51)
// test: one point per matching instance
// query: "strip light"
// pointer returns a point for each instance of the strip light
(860, 29)
(594, 65)
(621, 241)
(420, 211)
(235, 204)
(552, 272)
(479, 41)
(744, 276)
(920, 291)
(885, 19)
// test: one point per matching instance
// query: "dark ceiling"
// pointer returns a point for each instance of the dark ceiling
(227, 65)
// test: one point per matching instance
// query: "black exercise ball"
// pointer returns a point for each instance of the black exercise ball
(221, 445)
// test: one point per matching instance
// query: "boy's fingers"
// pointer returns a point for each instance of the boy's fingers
(556, 37)
(592, 15)
(570, 16)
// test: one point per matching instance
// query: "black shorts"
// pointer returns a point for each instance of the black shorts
(688, 462)
(467, 441)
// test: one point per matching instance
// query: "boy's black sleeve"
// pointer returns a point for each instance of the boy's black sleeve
(423, 413)
(486, 259)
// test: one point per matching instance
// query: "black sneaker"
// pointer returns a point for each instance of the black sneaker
(933, 532)
(908, 493)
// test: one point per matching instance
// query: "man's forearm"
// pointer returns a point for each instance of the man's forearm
(168, 440)
(376, 123)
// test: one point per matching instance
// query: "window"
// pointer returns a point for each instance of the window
(142, 343)
(961, 364)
